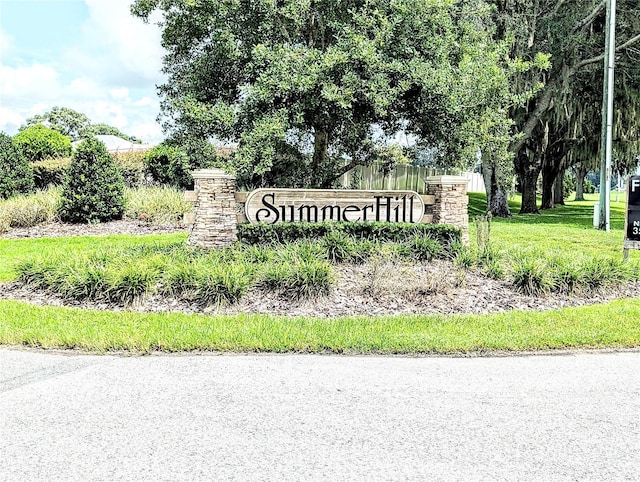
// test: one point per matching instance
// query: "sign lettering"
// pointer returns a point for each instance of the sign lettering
(316, 205)
(633, 209)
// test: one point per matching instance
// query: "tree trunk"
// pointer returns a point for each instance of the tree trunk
(558, 188)
(320, 148)
(528, 169)
(581, 173)
(497, 202)
(549, 174)
(529, 181)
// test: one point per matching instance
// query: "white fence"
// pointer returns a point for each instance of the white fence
(404, 177)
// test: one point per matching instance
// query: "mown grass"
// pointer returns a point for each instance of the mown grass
(612, 325)
(15, 251)
(566, 230)
(564, 234)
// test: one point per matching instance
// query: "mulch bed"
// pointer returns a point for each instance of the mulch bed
(371, 289)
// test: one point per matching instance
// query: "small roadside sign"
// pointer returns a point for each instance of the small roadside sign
(632, 220)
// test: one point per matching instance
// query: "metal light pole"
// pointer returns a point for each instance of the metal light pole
(607, 117)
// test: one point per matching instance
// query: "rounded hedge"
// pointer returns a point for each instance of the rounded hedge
(93, 188)
(15, 174)
(39, 142)
(169, 165)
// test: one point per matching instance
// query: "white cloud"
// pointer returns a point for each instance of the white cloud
(6, 44)
(117, 47)
(20, 83)
(110, 74)
(120, 94)
(10, 120)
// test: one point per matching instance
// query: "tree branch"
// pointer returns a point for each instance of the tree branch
(600, 58)
(589, 18)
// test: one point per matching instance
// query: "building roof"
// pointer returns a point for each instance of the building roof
(118, 144)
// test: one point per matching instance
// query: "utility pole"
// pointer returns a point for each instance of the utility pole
(607, 117)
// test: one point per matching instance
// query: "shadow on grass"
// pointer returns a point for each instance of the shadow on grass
(573, 213)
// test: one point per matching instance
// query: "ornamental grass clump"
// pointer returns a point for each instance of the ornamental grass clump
(28, 210)
(93, 189)
(156, 205)
(531, 276)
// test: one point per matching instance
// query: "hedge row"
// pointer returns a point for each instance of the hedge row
(255, 234)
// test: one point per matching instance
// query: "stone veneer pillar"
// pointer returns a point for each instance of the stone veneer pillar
(215, 209)
(451, 202)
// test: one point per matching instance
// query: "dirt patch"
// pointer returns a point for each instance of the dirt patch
(375, 288)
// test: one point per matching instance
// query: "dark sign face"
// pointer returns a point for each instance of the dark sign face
(633, 209)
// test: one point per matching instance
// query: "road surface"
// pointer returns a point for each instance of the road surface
(66, 416)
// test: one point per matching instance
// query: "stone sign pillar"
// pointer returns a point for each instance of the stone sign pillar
(215, 209)
(451, 202)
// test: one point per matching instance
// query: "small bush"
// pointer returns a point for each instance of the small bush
(133, 168)
(93, 188)
(304, 279)
(16, 176)
(600, 272)
(464, 259)
(169, 166)
(38, 142)
(340, 247)
(156, 205)
(424, 248)
(50, 171)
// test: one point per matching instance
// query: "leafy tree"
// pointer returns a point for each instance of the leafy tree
(73, 124)
(62, 119)
(15, 174)
(560, 124)
(93, 189)
(308, 87)
(104, 129)
(38, 142)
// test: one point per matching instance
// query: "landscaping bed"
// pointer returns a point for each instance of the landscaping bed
(376, 287)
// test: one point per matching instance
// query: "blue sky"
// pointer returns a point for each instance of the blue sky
(89, 55)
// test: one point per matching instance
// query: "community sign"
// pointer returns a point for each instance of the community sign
(316, 205)
(632, 222)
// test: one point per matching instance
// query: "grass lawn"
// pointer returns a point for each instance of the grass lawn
(613, 325)
(566, 231)
(13, 251)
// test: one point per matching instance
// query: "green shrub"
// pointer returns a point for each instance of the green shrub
(157, 205)
(132, 166)
(339, 246)
(38, 142)
(93, 188)
(262, 233)
(169, 165)
(50, 172)
(423, 248)
(600, 272)
(15, 174)
(464, 258)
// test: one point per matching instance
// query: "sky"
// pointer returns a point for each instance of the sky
(92, 56)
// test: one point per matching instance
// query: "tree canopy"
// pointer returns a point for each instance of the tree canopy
(307, 88)
(560, 125)
(72, 124)
(38, 142)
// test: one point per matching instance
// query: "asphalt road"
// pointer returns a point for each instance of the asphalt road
(302, 417)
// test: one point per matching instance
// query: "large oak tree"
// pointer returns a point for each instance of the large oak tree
(308, 87)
